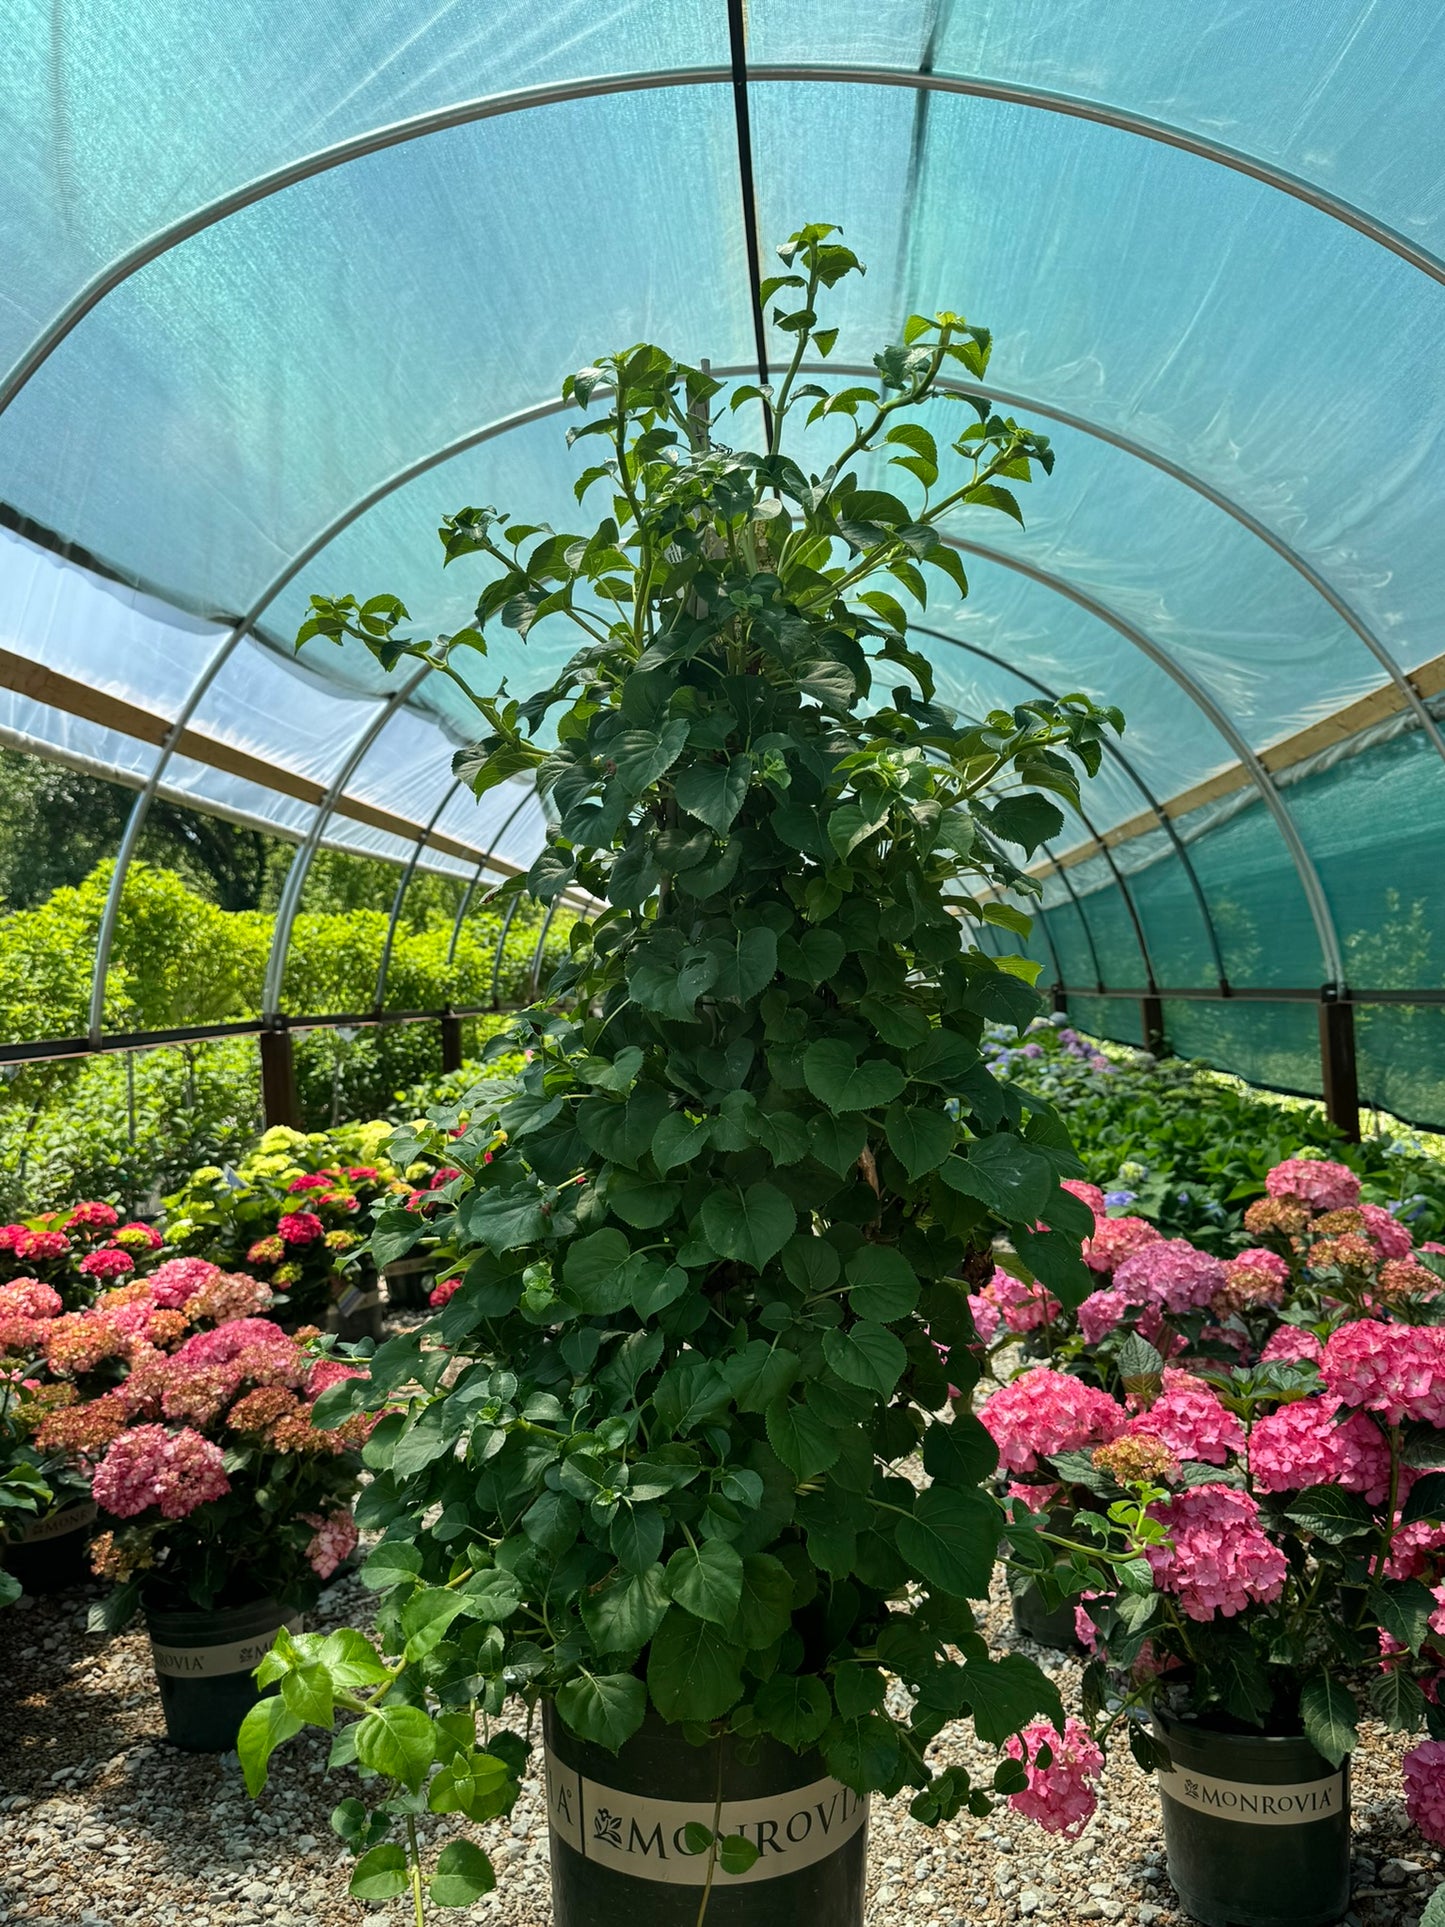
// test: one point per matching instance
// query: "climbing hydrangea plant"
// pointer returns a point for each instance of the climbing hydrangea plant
(703, 1254)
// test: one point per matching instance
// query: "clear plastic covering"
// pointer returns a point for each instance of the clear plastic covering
(282, 287)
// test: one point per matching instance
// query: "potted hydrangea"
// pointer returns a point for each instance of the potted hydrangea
(1276, 1527)
(675, 1460)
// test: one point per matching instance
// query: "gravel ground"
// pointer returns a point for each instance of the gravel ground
(104, 1823)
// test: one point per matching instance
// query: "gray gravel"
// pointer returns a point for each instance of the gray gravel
(104, 1824)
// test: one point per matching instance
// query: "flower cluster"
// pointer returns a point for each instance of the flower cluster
(1424, 1771)
(150, 1466)
(1217, 1559)
(1043, 1412)
(1397, 1371)
(1060, 1797)
(1190, 1420)
(1316, 1182)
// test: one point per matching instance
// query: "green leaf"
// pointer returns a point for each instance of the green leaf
(1403, 1607)
(952, 1539)
(714, 792)
(679, 1139)
(1426, 1499)
(1331, 1718)
(747, 963)
(837, 1079)
(793, 1708)
(838, 1142)
(693, 1673)
(749, 1225)
(1332, 1514)
(269, 1724)
(962, 1452)
(707, 1579)
(884, 1286)
(1027, 819)
(606, 1709)
(1003, 1173)
(594, 1275)
(642, 755)
(866, 1354)
(380, 1874)
(463, 1874)
(624, 1615)
(919, 1139)
(1397, 1700)
(735, 1854)
(800, 1438)
(1005, 1694)
(765, 1606)
(306, 1691)
(425, 1618)
(398, 1741)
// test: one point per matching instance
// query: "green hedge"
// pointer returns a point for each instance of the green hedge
(100, 1127)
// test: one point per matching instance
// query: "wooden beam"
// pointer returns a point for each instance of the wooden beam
(99, 706)
(1364, 713)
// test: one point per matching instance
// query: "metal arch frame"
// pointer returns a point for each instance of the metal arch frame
(402, 886)
(1127, 445)
(300, 864)
(231, 641)
(1315, 898)
(497, 954)
(494, 106)
(496, 845)
(1166, 823)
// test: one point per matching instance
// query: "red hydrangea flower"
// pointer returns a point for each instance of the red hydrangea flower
(92, 1216)
(300, 1227)
(107, 1263)
(312, 1181)
(39, 1247)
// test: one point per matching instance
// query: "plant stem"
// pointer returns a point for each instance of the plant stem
(413, 1852)
(712, 1849)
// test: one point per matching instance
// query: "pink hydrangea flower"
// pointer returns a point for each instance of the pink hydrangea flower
(1413, 1549)
(1116, 1239)
(334, 1539)
(92, 1216)
(1217, 1560)
(1385, 1228)
(149, 1466)
(986, 1315)
(220, 1346)
(1301, 1445)
(1171, 1274)
(107, 1263)
(1043, 1412)
(1088, 1194)
(327, 1372)
(41, 1247)
(312, 1181)
(1190, 1420)
(1316, 1182)
(1292, 1345)
(1100, 1313)
(444, 1293)
(1397, 1371)
(1424, 1772)
(1023, 1308)
(299, 1227)
(179, 1279)
(28, 1298)
(1059, 1797)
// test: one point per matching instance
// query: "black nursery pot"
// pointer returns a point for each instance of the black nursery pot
(619, 1858)
(204, 1662)
(1256, 1830)
(355, 1315)
(409, 1282)
(1033, 1619)
(51, 1553)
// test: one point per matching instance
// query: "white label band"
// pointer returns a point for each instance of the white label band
(213, 1662)
(1252, 1803)
(645, 1838)
(74, 1518)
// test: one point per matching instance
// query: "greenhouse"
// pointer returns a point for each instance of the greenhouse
(721, 1041)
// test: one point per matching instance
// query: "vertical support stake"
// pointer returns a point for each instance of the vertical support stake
(451, 1042)
(1151, 1014)
(1058, 1000)
(279, 1102)
(1338, 1076)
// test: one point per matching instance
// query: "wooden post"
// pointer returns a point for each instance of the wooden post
(451, 1042)
(279, 1102)
(1059, 1000)
(1338, 1077)
(1151, 1013)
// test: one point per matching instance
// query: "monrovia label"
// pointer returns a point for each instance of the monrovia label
(213, 1662)
(73, 1518)
(645, 1838)
(1252, 1803)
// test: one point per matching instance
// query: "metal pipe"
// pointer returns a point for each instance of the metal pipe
(1304, 867)
(135, 823)
(300, 864)
(501, 946)
(493, 106)
(1111, 748)
(536, 982)
(527, 796)
(401, 888)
